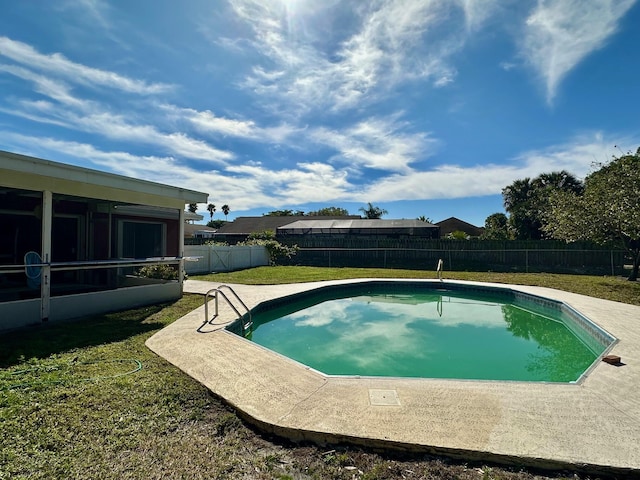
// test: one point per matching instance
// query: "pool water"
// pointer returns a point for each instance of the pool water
(433, 334)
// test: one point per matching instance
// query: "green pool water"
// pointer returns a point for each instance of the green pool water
(434, 334)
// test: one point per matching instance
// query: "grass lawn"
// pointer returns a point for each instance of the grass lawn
(610, 288)
(88, 400)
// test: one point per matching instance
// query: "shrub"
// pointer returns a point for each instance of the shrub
(215, 243)
(159, 271)
(275, 249)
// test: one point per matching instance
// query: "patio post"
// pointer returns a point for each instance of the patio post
(45, 283)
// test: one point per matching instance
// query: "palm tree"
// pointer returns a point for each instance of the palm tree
(372, 212)
(527, 201)
(225, 210)
(193, 207)
(212, 208)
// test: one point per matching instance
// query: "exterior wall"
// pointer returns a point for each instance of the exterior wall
(224, 259)
(24, 313)
(19, 314)
(74, 306)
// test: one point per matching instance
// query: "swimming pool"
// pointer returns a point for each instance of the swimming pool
(406, 329)
(591, 424)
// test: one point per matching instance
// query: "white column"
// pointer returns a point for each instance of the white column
(181, 248)
(45, 283)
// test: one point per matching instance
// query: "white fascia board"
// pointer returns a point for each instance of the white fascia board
(30, 173)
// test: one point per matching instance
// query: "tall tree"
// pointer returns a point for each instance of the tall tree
(496, 227)
(193, 207)
(212, 208)
(527, 201)
(216, 223)
(517, 199)
(225, 210)
(606, 212)
(282, 213)
(422, 218)
(330, 212)
(372, 212)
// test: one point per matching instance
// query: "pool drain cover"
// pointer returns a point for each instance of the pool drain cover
(383, 397)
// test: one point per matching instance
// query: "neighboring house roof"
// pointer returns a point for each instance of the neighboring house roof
(349, 225)
(248, 225)
(454, 224)
(190, 229)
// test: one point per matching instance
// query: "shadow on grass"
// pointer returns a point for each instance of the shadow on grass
(43, 340)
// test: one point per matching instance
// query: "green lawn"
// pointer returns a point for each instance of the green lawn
(88, 400)
(610, 288)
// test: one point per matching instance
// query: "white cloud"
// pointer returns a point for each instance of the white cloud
(476, 12)
(97, 10)
(308, 182)
(208, 123)
(559, 34)
(242, 187)
(115, 127)
(74, 72)
(150, 167)
(89, 116)
(47, 86)
(450, 181)
(376, 143)
(580, 156)
(393, 42)
(251, 186)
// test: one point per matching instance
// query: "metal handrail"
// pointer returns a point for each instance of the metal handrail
(215, 292)
(93, 264)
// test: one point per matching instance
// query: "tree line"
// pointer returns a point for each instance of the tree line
(370, 211)
(604, 208)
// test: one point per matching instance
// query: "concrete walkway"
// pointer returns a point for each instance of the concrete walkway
(592, 426)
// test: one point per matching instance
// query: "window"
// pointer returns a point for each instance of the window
(141, 239)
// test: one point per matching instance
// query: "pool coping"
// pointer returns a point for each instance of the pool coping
(589, 426)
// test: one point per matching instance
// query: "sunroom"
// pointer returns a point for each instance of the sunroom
(76, 242)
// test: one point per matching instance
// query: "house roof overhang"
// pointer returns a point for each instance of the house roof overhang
(30, 173)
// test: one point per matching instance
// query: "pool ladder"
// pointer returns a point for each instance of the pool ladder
(216, 293)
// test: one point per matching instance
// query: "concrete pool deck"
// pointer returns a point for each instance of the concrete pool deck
(590, 426)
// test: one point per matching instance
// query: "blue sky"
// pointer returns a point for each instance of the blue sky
(421, 107)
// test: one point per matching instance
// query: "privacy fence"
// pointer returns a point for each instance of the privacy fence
(206, 259)
(458, 255)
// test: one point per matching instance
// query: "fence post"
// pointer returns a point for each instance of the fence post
(526, 260)
(613, 274)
